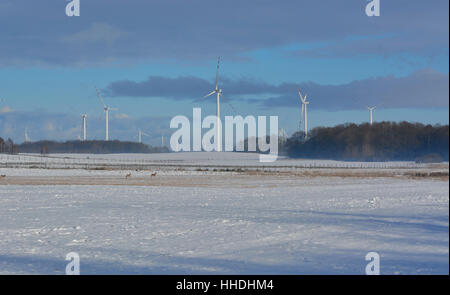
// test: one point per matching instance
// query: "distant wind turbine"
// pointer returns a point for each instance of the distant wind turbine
(371, 109)
(304, 113)
(140, 133)
(27, 138)
(282, 135)
(107, 109)
(84, 126)
(219, 94)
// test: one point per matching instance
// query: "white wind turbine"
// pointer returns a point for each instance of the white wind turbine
(140, 133)
(27, 138)
(282, 135)
(84, 126)
(371, 109)
(219, 94)
(107, 109)
(304, 113)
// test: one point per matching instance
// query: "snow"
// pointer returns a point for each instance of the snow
(234, 225)
(212, 159)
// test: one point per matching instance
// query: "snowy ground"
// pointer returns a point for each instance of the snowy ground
(186, 160)
(229, 223)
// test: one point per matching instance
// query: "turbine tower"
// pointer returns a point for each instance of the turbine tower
(219, 94)
(27, 138)
(282, 136)
(140, 133)
(84, 126)
(107, 109)
(304, 113)
(371, 109)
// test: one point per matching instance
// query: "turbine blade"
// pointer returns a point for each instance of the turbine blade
(100, 97)
(217, 73)
(211, 93)
(300, 95)
(228, 102)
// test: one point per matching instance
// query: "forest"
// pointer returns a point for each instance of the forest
(384, 141)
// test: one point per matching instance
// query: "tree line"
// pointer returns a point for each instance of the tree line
(382, 141)
(77, 146)
(8, 146)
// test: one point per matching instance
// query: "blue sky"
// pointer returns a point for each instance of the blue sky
(156, 59)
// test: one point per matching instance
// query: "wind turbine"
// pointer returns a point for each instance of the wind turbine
(218, 92)
(371, 109)
(140, 133)
(107, 109)
(282, 135)
(304, 113)
(27, 138)
(84, 126)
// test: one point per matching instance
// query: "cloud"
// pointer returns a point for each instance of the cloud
(155, 86)
(97, 32)
(6, 109)
(425, 88)
(379, 46)
(121, 116)
(49, 127)
(115, 30)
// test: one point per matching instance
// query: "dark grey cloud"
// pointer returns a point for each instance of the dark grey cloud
(384, 46)
(155, 86)
(425, 88)
(39, 32)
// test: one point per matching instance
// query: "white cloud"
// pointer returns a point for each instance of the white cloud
(6, 109)
(50, 127)
(121, 116)
(97, 32)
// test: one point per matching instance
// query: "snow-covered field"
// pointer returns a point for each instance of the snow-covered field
(205, 222)
(224, 159)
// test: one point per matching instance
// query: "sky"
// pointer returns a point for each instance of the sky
(156, 59)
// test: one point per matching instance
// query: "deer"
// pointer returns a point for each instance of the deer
(128, 175)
